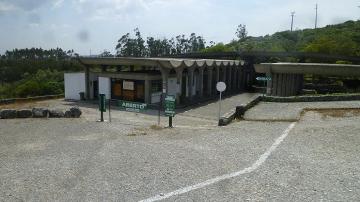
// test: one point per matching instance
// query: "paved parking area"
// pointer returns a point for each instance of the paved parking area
(129, 160)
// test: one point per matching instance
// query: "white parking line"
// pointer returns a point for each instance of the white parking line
(250, 169)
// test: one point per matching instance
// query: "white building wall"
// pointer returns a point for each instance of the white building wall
(105, 87)
(74, 84)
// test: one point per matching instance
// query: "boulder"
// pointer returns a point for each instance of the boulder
(24, 113)
(40, 112)
(56, 113)
(8, 114)
(75, 112)
(68, 114)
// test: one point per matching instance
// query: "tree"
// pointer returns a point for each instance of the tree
(241, 32)
(106, 53)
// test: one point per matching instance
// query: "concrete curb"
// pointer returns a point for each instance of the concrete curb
(239, 111)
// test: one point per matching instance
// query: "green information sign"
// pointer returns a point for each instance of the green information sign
(132, 106)
(102, 104)
(267, 78)
(170, 105)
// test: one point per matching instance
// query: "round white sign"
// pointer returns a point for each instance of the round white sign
(221, 86)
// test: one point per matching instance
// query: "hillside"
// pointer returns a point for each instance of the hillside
(341, 39)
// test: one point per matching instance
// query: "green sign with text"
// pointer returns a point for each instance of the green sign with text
(132, 106)
(170, 103)
(102, 103)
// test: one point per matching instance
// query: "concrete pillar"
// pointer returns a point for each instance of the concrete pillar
(269, 85)
(201, 81)
(190, 83)
(209, 81)
(179, 75)
(165, 75)
(285, 85)
(147, 91)
(217, 74)
(87, 82)
(242, 79)
(223, 79)
(228, 77)
(234, 78)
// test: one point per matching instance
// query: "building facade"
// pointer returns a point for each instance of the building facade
(145, 79)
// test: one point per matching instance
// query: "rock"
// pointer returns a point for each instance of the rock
(8, 114)
(75, 112)
(68, 114)
(24, 113)
(56, 113)
(40, 112)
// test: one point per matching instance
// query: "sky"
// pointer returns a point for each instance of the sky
(96, 25)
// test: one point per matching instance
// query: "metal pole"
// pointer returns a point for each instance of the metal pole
(292, 20)
(170, 122)
(220, 107)
(160, 104)
(109, 110)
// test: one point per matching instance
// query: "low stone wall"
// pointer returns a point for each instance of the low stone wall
(240, 110)
(73, 112)
(37, 98)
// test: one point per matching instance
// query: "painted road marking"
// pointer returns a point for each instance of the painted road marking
(250, 169)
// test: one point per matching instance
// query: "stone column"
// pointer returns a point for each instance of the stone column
(229, 78)
(201, 81)
(179, 75)
(223, 79)
(209, 81)
(87, 82)
(217, 74)
(191, 82)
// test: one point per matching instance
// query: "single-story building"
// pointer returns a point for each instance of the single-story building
(145, 79)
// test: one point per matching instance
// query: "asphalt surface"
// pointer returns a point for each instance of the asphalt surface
(131, 160)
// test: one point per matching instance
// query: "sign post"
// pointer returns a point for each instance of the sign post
(264, 79)
(109, 110)
(221, 87)
(102, 106)
(170, 103)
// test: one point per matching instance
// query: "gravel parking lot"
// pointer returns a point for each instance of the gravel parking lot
(130, 160)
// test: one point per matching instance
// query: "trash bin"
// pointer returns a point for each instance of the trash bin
(82, 96)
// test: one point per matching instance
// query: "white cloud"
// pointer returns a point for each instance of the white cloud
(58, 3)
(6, 7)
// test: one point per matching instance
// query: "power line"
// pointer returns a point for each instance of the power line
(292, 20)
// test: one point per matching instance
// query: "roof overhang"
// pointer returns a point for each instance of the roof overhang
(170, 63)
(309, 68)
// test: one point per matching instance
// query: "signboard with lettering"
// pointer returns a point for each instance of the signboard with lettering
(170, 103)
(132, 106)
(128, 85)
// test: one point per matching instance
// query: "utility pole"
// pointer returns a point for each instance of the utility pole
(316, 16)
(292, 20)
